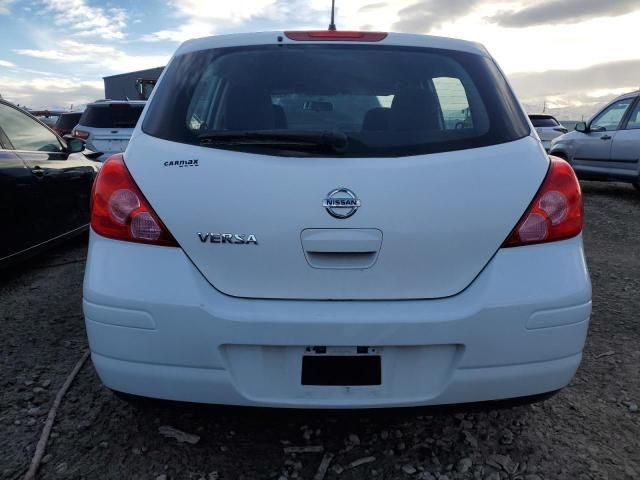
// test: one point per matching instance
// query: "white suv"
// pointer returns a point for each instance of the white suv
(548, 128)
(106, 125)
(335, 220)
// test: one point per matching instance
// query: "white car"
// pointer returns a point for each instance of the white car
(335, 220)
(548, 128)
(106, 125)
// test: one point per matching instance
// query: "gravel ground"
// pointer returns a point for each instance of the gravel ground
(591, 430)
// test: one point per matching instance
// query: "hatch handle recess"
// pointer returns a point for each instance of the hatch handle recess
(341, 247)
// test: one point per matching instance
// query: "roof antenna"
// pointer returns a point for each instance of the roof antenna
(332, 25)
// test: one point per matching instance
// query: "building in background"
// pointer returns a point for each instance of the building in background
(131, 86)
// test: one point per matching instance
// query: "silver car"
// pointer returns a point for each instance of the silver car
(607, 147)
(106, 125)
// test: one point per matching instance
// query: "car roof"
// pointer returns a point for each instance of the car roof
(279, 37)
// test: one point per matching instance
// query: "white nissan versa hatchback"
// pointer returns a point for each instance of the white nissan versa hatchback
(335, 220)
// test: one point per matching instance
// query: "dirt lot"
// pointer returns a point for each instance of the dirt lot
(590, 430)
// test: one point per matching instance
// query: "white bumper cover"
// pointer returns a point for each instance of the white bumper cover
(157, 328)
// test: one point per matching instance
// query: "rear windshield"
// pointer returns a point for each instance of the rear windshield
(113, 115)
(386, 100)
(544, 122)
(68, 120)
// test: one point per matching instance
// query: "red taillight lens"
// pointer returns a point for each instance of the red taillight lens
(120, 211)
(336, 35)
(556, 212)
(80, 134)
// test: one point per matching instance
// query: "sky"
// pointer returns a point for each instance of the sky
(568, 56)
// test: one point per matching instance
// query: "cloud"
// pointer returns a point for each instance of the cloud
(421, 17)
(233, 12)
(105, 57)
(84, 20)
(372, 6)
(572, 94)
(200, 20)
(604, 76)
(45, 54)
(50, 92)
(6, 64)
(552, 12)
(577, 107)
(192, 29)
(5, 6)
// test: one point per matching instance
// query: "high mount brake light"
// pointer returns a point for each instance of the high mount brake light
(335, 36)
(556, 212)
(120, 211)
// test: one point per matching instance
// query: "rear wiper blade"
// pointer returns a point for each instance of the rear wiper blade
(327, 140)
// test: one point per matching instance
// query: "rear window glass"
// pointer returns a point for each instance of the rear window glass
(544, 122)
(68, 120)
(114, 115)
(386, 100)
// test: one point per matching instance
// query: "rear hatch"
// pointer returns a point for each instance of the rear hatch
(110, 140)
(110, 125)
(337, 172)
(547, 134)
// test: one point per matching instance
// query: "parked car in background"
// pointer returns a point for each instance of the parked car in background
(106, 125)
(297, 223)
(607, 146)
(66, 122)
(48, 117)
(548, 128)
(45, 185)
(48, 120)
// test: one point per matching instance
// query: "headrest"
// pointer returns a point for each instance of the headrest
(248, 109)
(415, 109)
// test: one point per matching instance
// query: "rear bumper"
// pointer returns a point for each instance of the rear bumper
(217, 385)
(105, 152)
(156, 328)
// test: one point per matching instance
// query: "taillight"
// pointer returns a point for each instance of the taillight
(335, 36)
(82, 135)
(556, 211)
(120, 211)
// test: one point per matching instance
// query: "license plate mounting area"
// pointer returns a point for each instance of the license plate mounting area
(341, 366)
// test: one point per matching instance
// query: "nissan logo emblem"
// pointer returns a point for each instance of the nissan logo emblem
(341, 203)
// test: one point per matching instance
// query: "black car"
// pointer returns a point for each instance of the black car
(45, 185)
